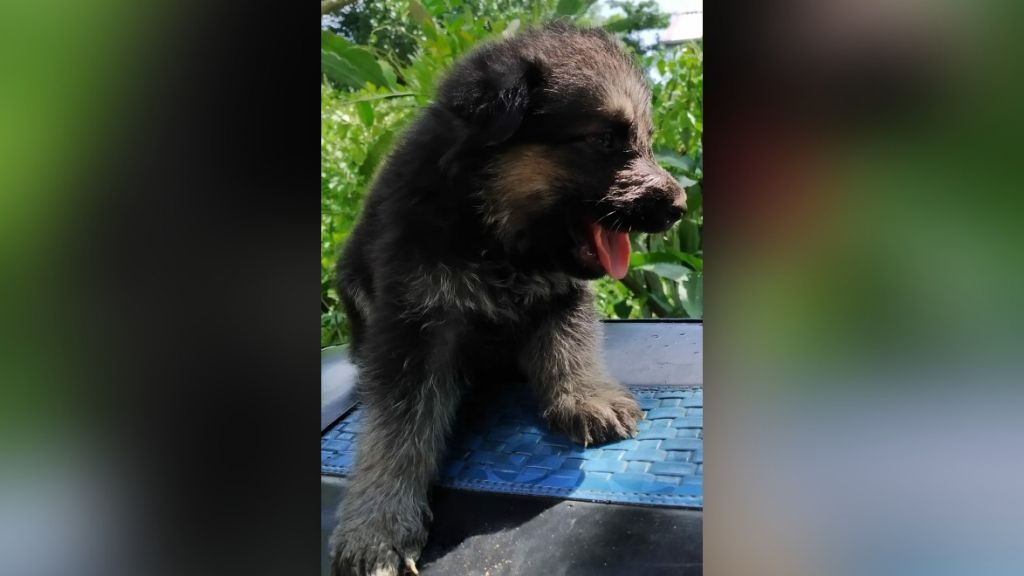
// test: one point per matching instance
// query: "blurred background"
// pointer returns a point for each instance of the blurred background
(863, 330)
(380, 62)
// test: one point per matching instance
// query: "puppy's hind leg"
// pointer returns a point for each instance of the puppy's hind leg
(409, 401)
(562, 360)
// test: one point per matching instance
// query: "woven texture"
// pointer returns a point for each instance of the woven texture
(510, 450)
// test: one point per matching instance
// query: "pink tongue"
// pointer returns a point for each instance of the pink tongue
(612, 250)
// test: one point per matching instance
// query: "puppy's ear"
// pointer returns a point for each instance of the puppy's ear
(505, 102)
(491, 92)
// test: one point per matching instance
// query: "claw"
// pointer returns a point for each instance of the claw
(410, 565)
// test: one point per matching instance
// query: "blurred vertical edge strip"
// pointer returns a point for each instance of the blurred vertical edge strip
(158, 248)
(862, 314)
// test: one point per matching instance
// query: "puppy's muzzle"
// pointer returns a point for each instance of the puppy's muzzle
(646, 198)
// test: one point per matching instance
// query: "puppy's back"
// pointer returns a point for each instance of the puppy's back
(406, 221)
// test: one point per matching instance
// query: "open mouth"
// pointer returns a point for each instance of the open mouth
(605, 249)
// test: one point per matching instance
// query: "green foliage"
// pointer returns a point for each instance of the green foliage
(382, 25)
(355, 135)
(642, 15)
(372, 89)
(572, 7)
(349, 65)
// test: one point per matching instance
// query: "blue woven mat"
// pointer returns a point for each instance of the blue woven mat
(510, 450)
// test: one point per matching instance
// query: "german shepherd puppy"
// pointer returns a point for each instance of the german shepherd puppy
(470, 259)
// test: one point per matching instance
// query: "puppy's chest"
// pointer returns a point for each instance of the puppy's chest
(478, 294)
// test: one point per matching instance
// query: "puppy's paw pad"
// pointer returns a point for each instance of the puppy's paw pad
(370, 557)
(606, 416)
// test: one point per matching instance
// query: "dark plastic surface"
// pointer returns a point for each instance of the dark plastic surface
(337, 385)
(477, 534)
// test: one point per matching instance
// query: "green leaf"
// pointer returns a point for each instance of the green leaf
(389, 73)
(511, 28)
(691, 292)
(694, 199)
(376, 153)
(668, 256)
(365, 111)
(665, 305)
(423, 18)
(673, 292)
(348, 65)
(367, 65)
(685, 182)
(333, 43)
(654, 284)
(616, 23)
(678, 162)
(377, 97)
(674, 272)
(622, 309)
(572, 7)
(339, 71)
(689, 236)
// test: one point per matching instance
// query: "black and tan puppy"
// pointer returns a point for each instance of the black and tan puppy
(471, 257)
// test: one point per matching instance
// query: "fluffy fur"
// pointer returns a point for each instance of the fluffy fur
(470, 261)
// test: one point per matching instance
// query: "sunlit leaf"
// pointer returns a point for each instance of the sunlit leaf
(340, 71)
(511, 28)
(691, 293)
(668, 256)
(674, 272)
(365, 111)
(423, 18)
(348, 65)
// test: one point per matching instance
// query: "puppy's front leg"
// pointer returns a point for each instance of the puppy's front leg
(562, 360)
(409, 400)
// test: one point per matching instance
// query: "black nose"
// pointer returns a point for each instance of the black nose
(675, 212)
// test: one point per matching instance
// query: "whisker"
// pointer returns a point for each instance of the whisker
(605, 216)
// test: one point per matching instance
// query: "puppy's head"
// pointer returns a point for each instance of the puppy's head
(557, 129)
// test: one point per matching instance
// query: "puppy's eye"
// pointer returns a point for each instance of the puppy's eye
(604, 140)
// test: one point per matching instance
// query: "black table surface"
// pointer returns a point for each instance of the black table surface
(476, 533)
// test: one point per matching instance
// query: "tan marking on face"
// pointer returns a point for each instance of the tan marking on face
(522, 186)
(625, 94)
(620, 104)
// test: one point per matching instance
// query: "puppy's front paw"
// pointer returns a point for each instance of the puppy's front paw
(371, 552)
(608, 412)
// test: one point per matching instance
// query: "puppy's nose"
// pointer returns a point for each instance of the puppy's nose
(678, 207)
